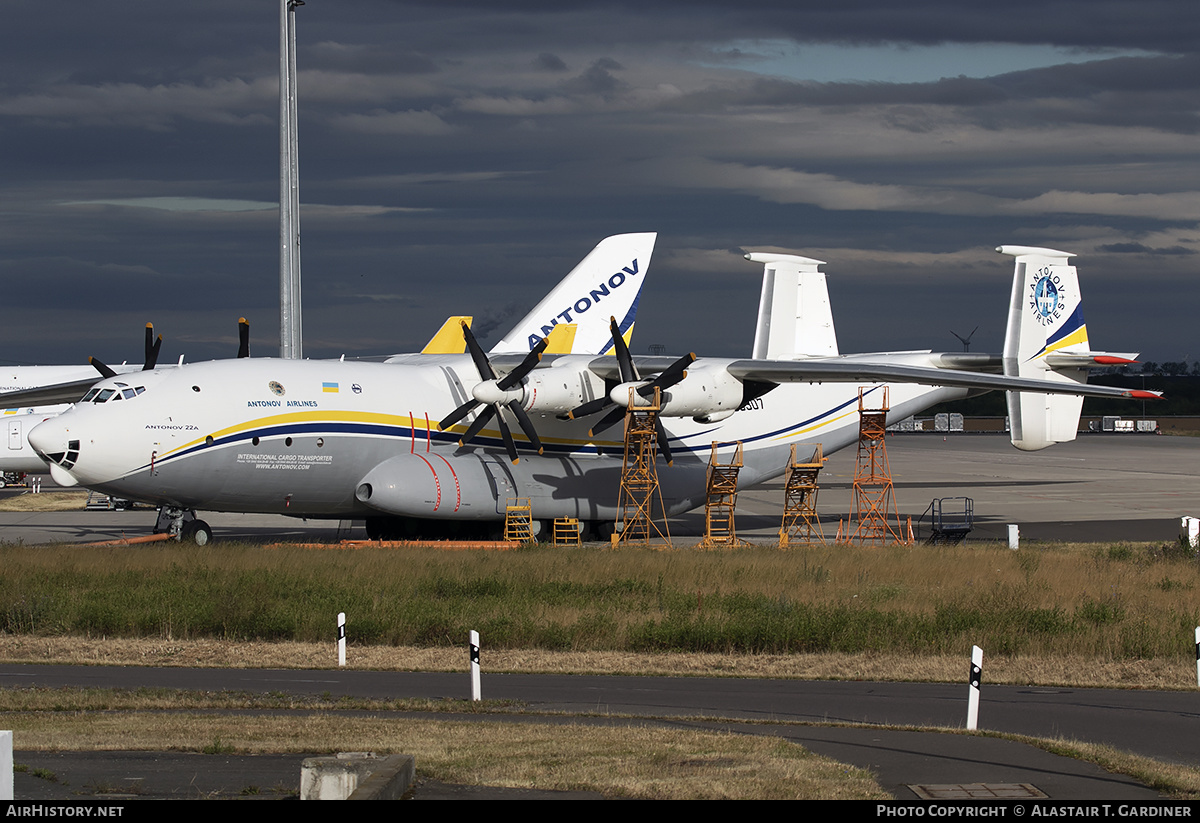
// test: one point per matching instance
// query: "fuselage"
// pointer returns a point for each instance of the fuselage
(342, 439)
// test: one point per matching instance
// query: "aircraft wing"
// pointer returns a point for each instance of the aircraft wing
(849, 370)
(49, 395)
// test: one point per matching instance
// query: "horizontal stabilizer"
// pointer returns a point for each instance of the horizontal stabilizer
(1089, 359)
(845, 370)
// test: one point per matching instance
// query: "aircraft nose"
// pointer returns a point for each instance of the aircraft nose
(52, 439)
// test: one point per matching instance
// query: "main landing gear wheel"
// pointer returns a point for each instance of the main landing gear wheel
(198, 532)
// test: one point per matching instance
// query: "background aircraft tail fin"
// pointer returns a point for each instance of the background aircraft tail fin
(607, 283)
(449, 338)
(1046, 338)
(794, 315)
(561, 339)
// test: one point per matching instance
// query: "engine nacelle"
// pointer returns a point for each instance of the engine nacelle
(557, 390)
(705, 392)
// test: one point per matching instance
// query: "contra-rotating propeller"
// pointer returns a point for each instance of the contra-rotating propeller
(153, 345)
(494, 393)
(149, 359)
(629, 375)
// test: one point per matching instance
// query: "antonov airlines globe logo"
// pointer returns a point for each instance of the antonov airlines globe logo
(1047, 298)
(1046, 295)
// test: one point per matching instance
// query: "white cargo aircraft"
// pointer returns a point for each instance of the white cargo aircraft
(394, 442)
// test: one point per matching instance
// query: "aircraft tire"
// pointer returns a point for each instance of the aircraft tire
(198, 532)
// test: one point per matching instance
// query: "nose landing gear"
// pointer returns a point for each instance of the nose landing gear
(183, 526)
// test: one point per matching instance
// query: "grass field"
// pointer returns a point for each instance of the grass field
(1128, 608)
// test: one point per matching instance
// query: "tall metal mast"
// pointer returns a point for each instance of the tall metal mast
(291, 332)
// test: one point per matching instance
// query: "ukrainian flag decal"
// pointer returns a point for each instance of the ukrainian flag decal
(329, 388)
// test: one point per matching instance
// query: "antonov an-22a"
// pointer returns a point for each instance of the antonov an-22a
(452, 437)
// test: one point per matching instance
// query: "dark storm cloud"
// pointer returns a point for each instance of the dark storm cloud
(459, 157)
(597, 79)
(1138, 248)
(549, 62)
(1168, 25)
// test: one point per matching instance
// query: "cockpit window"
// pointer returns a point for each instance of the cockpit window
(104, 395)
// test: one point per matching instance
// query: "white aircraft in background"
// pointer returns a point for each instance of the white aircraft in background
(394, 442)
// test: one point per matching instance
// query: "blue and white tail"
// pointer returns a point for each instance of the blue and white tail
(606, 284)
(1047, 339)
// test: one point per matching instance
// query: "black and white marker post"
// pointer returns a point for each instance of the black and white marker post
(341, 638)
(976, 679)
(475, 691)
(6, 766)
(1198, 655)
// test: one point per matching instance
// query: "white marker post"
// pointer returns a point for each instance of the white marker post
(341, 638)
(1189, 532)
(6, 766)
(1014, 536)
(475, 691)
(976, 679)
(1198, 655)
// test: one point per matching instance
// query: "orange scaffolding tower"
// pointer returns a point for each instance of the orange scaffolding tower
(639, 476)
(800, 521)
(874, 502)
(721, 499)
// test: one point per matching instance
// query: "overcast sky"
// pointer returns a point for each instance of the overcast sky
(460, 157)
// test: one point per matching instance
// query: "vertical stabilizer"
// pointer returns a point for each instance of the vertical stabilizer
(794, 316)
(1045, 317)
(606, 284)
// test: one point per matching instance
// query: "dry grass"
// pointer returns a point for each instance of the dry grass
(638, 761)
(69, 501)
(1172, 779)
(1075, 670)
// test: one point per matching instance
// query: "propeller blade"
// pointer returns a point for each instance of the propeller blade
(526, 425)
(477, 354)
(509, 445)
(590, 407)
(458, 414)
(670, 376)
(614, 416)
(152, 347)
(243, 338)
(514, 377)
(629, 371)
(663, 446)
(104, 370)
(510, 381)
(477, 426)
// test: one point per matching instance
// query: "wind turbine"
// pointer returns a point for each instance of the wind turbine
(966, 341)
